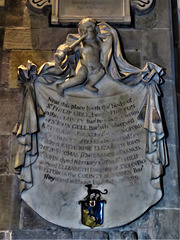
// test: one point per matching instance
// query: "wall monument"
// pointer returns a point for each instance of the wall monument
(92, 146)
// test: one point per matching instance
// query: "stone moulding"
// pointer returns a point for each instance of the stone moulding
(140, 7)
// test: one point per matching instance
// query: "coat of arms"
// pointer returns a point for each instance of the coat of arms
(92, 207)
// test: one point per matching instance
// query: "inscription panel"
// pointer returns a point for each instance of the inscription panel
(95, 144)
(97, 141)
(102, 10)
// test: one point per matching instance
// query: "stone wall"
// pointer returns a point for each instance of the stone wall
(27, 35)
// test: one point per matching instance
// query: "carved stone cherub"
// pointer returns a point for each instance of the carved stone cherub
(89, 67)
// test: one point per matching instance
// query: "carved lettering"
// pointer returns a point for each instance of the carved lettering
(92, 143)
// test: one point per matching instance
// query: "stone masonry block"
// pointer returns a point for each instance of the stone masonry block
(36, 20)
(10, 102)
(9, 202)
(157, 18)
(42, 234)
(169, 109)
(13, 146)
(133, 57)
(178, 103)
(167, 222)
(4, 153)
(21, 16)
(21, 38)
(1, 37)
(146, 21)
(4, 77)
(2, 18)
(128, 235)
(90, 235)
(131, 39)
(31, 220)
(156, 48)
(163, 16)
(13, 3)
(14, 16)
(0, 64)
(51, 38)
(139, 229)
(170, 181)
(18, 58)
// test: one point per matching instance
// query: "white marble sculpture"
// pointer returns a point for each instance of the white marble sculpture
(90, 118)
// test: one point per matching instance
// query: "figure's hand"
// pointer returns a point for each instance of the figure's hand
(59, 56)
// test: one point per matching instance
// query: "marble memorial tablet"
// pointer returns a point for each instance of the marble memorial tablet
(91, 136)
(102, 10)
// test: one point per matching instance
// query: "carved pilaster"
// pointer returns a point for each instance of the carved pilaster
(142, 6)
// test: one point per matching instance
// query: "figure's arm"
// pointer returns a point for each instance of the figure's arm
(64, 50)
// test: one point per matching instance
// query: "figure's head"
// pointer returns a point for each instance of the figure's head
(88, 26)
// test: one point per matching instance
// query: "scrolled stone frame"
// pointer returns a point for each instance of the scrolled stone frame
(140, 7)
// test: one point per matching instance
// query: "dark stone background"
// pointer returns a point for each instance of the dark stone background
(27, 35)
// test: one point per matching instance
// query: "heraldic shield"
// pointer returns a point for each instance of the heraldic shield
(92, 207)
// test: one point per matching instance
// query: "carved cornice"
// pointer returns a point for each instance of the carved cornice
(142, 6)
